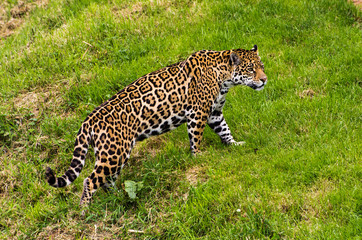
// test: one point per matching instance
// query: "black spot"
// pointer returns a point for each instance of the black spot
(216, 113)
(71, 175)
(114, 170)
(51, 180)
(61, 182)
(165, 126)
(151, 122)
(75, 163)
(106, 170)
(174, 119)
(215, 124)
(217, 130)
(124, 135)
(224, 135)
(141, 137)
(154, 132)
(50, 176)
(100, 179)
(99, 169)
(77, 151)
(112, 163)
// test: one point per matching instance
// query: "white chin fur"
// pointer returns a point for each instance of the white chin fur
(258, 89)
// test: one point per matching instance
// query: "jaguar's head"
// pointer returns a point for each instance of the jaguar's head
(247, 68)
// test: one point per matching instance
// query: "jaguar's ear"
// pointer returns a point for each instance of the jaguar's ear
(255, 49)
(235, 59)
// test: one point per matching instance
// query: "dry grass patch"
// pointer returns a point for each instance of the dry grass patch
(7, 181)
(315, 205)
(196, 174)
(129, 12)
(284, 203)
(308, 93)
(11, 19)
(40, 100)
(134, 11)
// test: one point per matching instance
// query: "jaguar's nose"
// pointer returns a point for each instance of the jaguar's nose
(263, 79)
(261, 76)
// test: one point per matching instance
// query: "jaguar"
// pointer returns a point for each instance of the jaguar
(192, 91)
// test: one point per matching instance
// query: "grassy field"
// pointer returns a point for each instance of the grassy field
(297, 177)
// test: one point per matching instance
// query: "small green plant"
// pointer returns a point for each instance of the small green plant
(132, 188)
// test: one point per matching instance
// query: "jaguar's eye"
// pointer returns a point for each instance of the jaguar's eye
(251, 67)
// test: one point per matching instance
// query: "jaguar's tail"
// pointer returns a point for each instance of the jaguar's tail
(80, 151)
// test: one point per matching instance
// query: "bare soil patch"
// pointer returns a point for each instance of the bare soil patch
(39, 100)
(196, 174)
(11, 18)
(315, 205)
(129, 12)
(307, 93)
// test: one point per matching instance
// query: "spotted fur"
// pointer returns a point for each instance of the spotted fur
(192, 92)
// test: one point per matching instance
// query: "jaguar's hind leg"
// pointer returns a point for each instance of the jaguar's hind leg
(106, 171)
(98, 178)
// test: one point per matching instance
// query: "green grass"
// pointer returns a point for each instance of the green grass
(297, 177)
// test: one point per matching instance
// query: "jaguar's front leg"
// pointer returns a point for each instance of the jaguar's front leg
(217, 123)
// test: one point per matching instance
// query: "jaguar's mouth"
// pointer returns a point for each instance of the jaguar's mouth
(257, 86)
